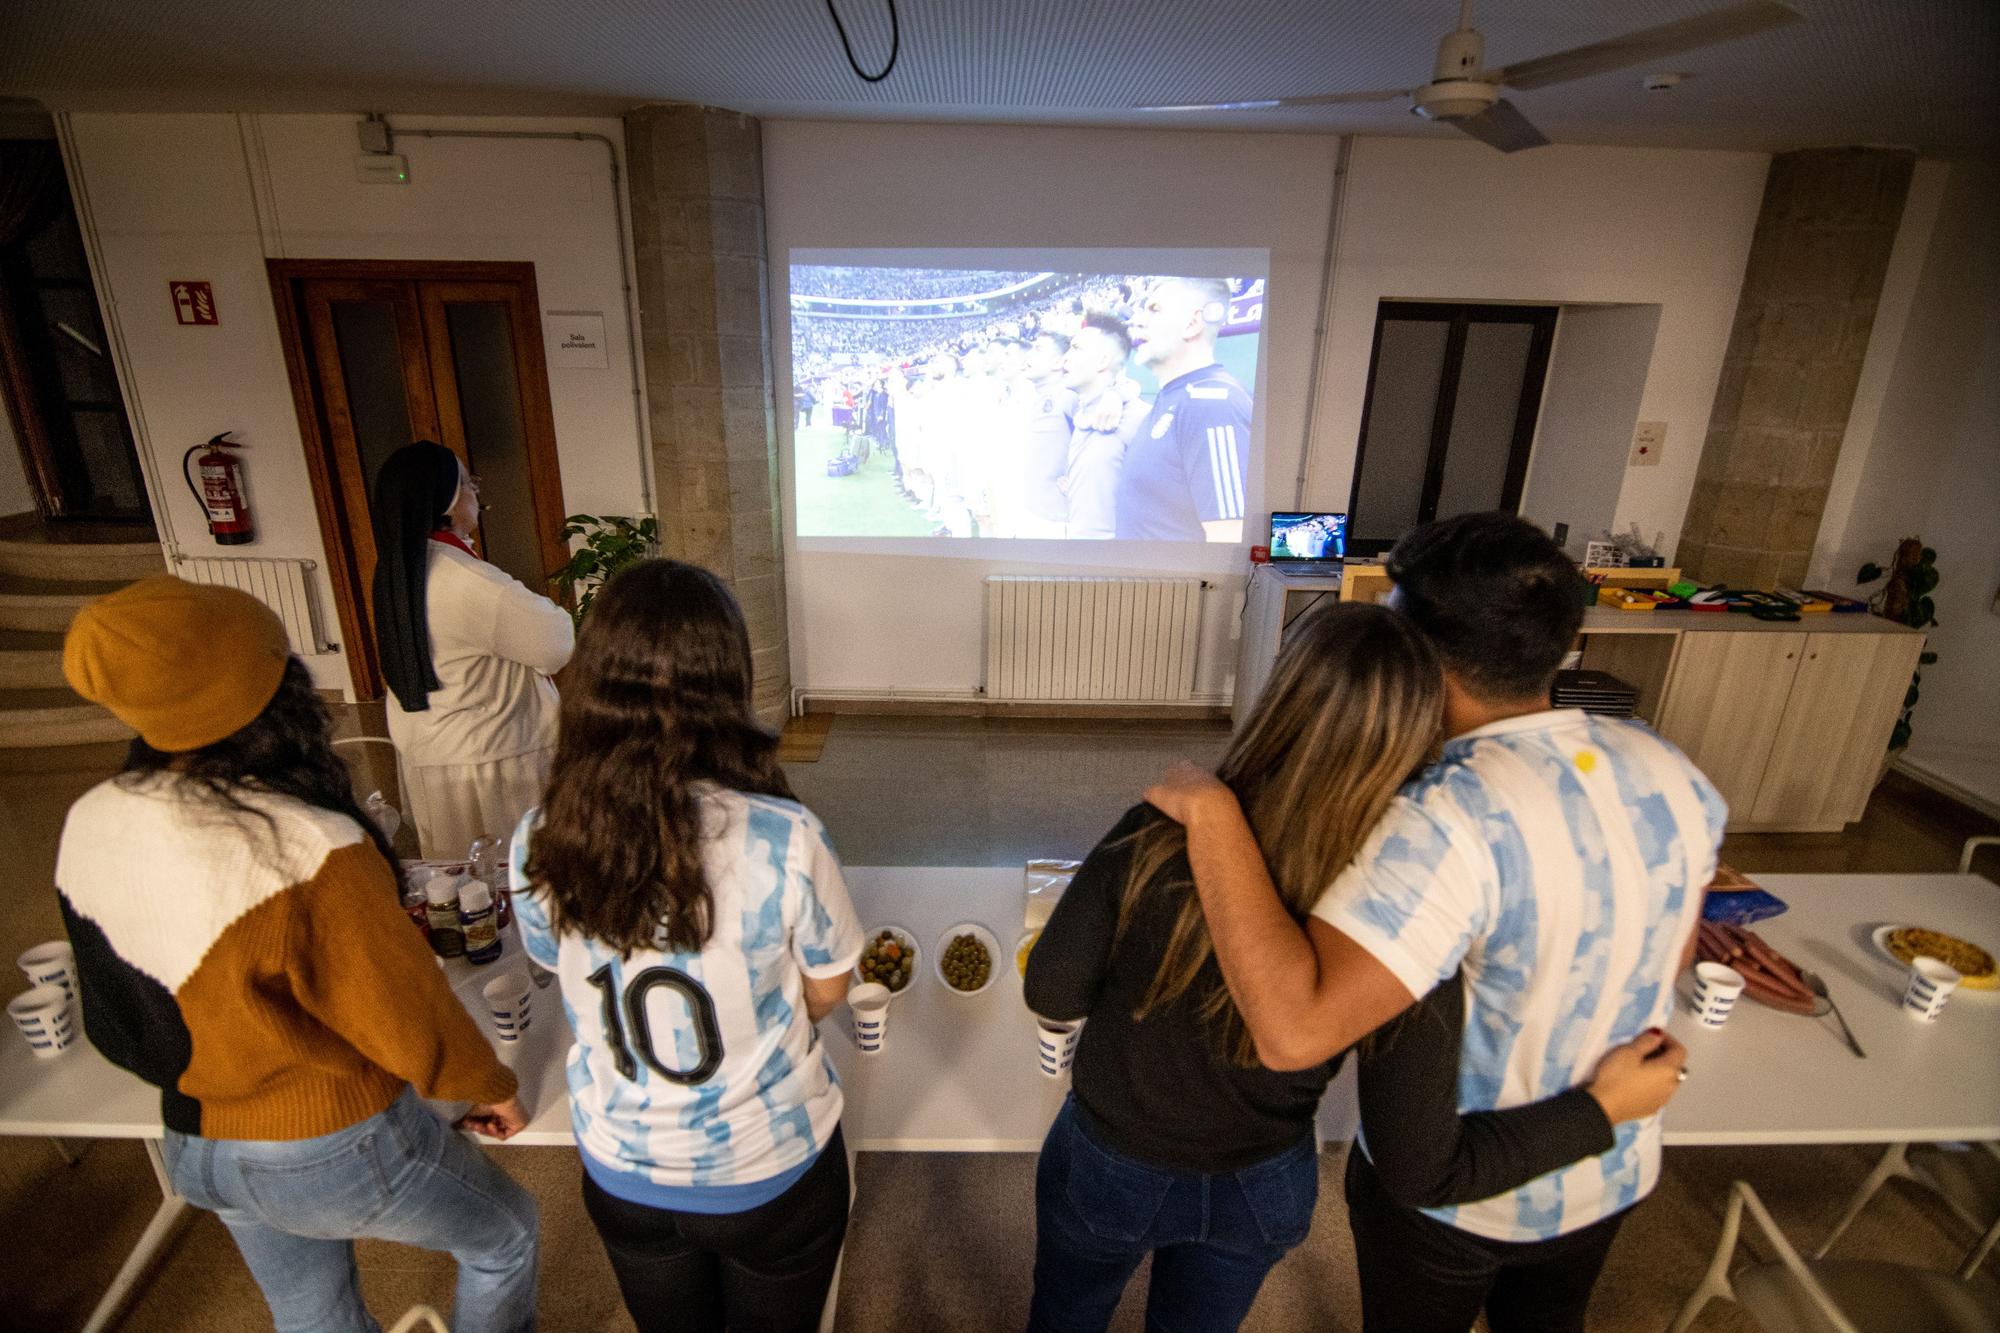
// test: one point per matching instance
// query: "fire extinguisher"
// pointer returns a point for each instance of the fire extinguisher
(221, 491)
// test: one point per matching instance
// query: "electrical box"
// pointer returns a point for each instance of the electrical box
(382, 169)
(1649, 439)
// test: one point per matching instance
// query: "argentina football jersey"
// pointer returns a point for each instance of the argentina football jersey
(1189, 463)
(697, 1081)
(1559, 860)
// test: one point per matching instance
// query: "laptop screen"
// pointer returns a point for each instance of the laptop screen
(1297, 536)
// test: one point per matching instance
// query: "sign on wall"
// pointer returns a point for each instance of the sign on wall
(194, 302)
(575, 339)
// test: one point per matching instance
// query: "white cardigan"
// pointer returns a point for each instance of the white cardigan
(494, 644)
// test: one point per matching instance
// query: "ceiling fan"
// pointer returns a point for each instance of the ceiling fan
(1465, 95)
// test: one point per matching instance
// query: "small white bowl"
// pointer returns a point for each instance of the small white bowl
(985, 937)
(909, 943)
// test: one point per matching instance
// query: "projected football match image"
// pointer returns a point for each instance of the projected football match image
(932, 402)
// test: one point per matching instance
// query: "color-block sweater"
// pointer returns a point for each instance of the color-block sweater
(259, 970)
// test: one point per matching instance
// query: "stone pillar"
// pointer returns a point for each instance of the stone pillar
(698, 230)
(1802, 323)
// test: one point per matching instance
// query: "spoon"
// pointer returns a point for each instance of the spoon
(1818, 987)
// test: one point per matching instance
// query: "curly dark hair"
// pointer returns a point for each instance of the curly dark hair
(658, 699)
(287, 749)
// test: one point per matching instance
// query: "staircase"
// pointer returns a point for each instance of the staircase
(46, 574)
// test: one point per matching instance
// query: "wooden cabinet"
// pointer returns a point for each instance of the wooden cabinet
(1791, 727)
(1725, 704)
(1836, 728)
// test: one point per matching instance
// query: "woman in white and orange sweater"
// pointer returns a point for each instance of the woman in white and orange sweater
(240, 943)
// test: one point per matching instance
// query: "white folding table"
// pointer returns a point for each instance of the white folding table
(958, 1073)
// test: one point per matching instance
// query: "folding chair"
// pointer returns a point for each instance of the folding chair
(1967, 1179)
(1792, 1295)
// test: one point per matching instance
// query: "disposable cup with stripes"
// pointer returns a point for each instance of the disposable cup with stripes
(510, 1002)
(46, 1018)
(51, 964)
(1932, 980)
(869, 1004)
(1056, 1050)
(1716, 989)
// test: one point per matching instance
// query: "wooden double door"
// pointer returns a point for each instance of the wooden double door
(384, 353)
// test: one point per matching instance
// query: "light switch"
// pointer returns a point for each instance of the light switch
(1649, 439)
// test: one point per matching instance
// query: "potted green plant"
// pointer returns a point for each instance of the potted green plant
(610, 543)
(1906, 599)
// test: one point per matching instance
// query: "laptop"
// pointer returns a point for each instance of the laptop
(1306, 543)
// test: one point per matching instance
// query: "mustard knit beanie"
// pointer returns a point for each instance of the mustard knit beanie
(183, 664)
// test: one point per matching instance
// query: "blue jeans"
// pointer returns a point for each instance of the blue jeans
(1213, 1238)
(296, 1206)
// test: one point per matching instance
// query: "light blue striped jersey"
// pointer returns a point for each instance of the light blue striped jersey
(1559, 858)
(702, 1069)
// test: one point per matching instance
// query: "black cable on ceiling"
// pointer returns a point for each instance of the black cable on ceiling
(895, 44)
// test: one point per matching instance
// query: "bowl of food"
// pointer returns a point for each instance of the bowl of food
(966, 958)
(888, 957)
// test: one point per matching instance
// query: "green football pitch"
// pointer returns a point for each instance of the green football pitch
(864, 503)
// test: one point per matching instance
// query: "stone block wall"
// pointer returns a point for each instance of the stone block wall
(1815, 272)
(698, 231)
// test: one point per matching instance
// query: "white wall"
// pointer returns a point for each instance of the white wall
(1448, 220)
(1590, 403)
(213, 196)
(914, 624)
(1422, 219)
(1926, 463)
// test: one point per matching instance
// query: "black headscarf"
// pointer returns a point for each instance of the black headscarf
(412, 492)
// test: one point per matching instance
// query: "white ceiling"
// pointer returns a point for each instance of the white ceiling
(1919, 73)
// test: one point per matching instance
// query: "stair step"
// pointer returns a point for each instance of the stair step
(30, 660)
(42, 612)
(45, 718)
(118, 562)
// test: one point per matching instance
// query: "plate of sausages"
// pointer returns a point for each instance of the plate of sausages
(1768, 976)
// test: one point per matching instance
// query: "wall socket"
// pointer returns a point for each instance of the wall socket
(1649, 440)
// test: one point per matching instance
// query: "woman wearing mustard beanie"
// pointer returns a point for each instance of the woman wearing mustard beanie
(468, 651)
(239, 937)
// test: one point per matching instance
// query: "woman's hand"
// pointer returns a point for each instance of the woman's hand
(1635, 1080)
(1184, 790)
(497, 1120)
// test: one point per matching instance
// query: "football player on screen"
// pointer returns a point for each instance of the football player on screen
(1184, 475)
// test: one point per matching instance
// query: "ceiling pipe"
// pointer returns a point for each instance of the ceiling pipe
(1336, 208)
(632, 313)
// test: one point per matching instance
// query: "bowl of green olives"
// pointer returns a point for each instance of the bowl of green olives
(888, 957)
(967, 958)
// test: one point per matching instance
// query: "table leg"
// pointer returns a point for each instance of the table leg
(151, 1240)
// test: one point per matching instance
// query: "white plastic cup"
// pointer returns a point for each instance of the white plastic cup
(46, 1019)
(1057, 1046)
(510, 1001)
(51, 964)
(1716, 989)
(869, 1004)
(1931, 983)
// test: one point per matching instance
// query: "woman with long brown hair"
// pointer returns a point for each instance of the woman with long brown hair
(1176, 1142)
(696, 918)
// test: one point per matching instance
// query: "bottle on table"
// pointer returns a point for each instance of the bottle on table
(447, 934)
(488, 855)
(478, 919)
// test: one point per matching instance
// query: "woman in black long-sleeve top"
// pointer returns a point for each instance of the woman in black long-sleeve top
(1176, 1142)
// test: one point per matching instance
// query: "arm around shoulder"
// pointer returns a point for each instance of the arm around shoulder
(1307, 992)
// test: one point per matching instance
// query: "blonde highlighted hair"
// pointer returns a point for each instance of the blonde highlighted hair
(1354, 707)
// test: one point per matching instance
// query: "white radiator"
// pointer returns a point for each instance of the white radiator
(283, 585)
(1114, 640)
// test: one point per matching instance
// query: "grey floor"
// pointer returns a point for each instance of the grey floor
(939, 1243)
(969, 792)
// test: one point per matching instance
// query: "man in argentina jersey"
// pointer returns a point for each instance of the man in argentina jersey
(1185, 475)
(1555, 858)
(697, 1081)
